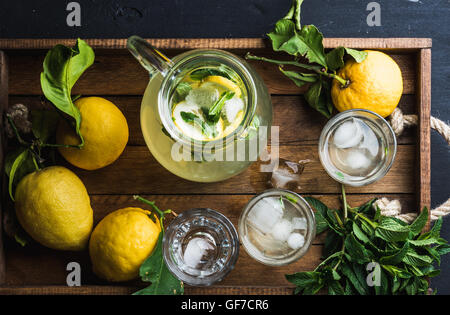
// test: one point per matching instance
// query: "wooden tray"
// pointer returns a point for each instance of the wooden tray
(118, 77)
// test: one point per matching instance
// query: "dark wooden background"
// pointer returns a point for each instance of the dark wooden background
(253, 18)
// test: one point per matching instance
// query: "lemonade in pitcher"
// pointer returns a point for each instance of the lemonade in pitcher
(205, 114)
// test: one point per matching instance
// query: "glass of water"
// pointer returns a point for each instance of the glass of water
(277, 227)
(200, 246)
(357, 147)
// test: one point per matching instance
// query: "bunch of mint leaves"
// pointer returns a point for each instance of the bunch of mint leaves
(307, 42)
(404, 257)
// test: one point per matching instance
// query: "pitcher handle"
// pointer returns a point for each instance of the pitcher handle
(148, 56)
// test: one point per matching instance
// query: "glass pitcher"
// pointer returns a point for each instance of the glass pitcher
(186, 110)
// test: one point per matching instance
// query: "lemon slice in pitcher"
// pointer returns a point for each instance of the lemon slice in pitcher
(222, 84)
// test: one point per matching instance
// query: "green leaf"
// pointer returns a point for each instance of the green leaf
(216, 108)
(335, 288)
(397, 271)
(306, 43)
(358, 55)
(356, 278)
(321, 223)
(391, 230)
(155, 270)
(206, 128)
(44, 123)
(16, 164)
(397, 257)
(383, 288)
(443, 249)
(63, 66)
(414, 259)
(317, 97)
(303, 279)
(335, 58)
(300, 79)
(222, 71)
(359, 233)
(356, 251)
(420, 222)
(284, 30)
(182, 90)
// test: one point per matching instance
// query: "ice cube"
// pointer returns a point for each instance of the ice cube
(232, 107)
(195, 251)
(370, 141)
(203, 96)
(265, 214)
(357, 160)
(348, 134)
(281, 230)
(299, 223)
(287, 174)
(296, 240)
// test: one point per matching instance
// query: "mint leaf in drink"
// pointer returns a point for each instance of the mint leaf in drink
(215, 110)
(207, 129)
(182, 90)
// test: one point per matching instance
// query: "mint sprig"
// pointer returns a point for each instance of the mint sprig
(357, 236)
(306, 41)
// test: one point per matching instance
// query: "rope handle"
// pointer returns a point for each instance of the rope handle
(393, 208)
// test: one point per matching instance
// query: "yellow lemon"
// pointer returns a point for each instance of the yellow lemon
(375, 84)
(53, 206)
(105, 132)
(121, 242)
(224, 82)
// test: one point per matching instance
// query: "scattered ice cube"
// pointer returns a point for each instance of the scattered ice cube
(287, 174)
(195, 250)
(265, 214)
(357, 160)
(296, 240)
(370, 141)
(299, 223)
(232, 107)
(348, 134)
(203, 96)
(281, 230)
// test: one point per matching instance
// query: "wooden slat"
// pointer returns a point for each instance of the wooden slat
(424, 109)
(300, 123)
(3, 106)
(136, 171)
(121, 74)
(121, 290)
(219, 43)
(36, 265)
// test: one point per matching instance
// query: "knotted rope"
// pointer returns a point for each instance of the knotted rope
(393, 208)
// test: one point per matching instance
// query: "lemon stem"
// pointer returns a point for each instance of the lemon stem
(150, 203)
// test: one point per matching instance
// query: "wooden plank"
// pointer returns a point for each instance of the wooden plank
(291, 112)
(3, 106)
(137, 172)
(423, 134)
(36, 265)
(218, 43)
(122, 290)
(121, 74)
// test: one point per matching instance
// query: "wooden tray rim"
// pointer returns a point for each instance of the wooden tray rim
(422, 45)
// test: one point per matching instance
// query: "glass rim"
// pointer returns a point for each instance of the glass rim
(204, 55)
(372, 178)
(296, 254)
(215, 277)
